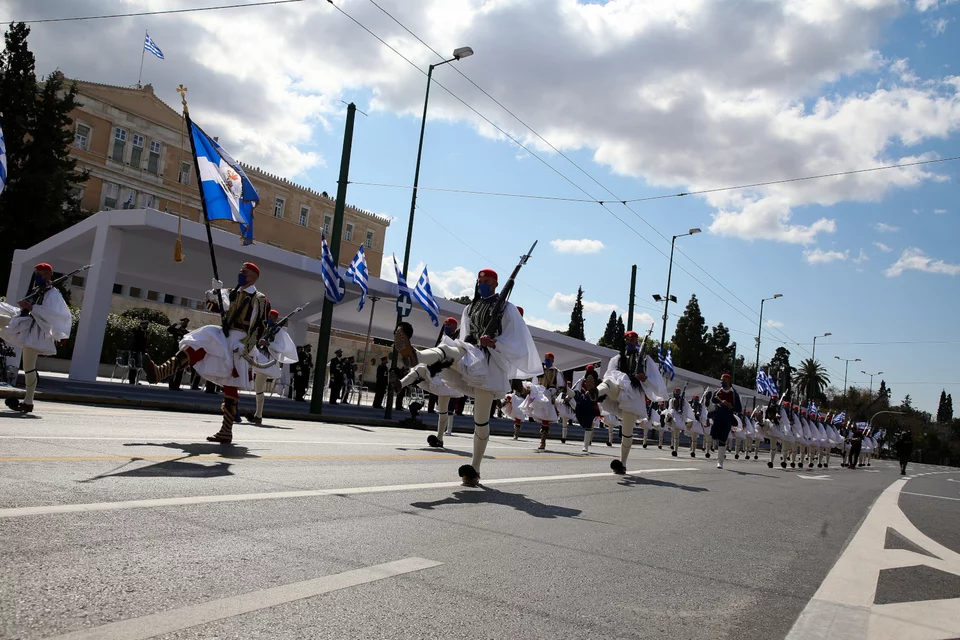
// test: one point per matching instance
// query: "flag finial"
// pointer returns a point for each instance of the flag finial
(182, 90)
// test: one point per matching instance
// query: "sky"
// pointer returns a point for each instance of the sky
(583, 103)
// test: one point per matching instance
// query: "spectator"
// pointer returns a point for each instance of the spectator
(349, 378)
(383, 375)
(300, 375)
(336, 376)
(905, 450)
(138, 346)
(178, 331)
(856, 441)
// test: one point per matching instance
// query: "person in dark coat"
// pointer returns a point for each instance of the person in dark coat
(383, 375)
(301, 375)
(728, 405)
(138, 347)
(856, 443)
(178, 331)
(905, 450)
(336, 376)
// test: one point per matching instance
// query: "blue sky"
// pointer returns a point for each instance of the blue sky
(648, 98)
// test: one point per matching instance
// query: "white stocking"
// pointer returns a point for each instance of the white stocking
(482, 401)
(259, 387)
(626, 435)
(30, 373)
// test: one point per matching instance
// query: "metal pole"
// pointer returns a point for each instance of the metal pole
(366, 343)
(143, 50)
(326, 320)
(733, 369)
(759, 331)
(666, 301)
(633, 290)
(846, 365)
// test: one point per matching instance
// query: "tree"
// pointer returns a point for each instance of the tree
(462, 299)
(811, 378)
(949, 412)
(717, 354)
(690, 338)
(619, 341)
(42, 175)
(575, 330)
(907, 402)
(780, 370)
(609, 337)
(941, 408)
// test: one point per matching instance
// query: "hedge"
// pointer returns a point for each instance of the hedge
(119, 335)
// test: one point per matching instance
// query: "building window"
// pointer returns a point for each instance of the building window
(186, 302)
(153, 161)
(348, 234)
(184, 177)
(167, 298)
(135, 292)
(304, 214)
(111, 193)
(153, 296)
(136, 155)
(77, 281)
(369, 241)
(278, 208)
(82, 137)
(327, 221)
(117, 289)
(119, 144)
(76, 194)
(146, 201)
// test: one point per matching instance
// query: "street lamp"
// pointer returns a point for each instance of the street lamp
(667, 299)
(760, 328)
(813, 358)
(458, 54)
(847, 362)
(871, 378)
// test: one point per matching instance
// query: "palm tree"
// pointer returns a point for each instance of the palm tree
(812, 378)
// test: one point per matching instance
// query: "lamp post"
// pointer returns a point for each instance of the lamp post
(667, 298)
(813, 358)
(760, 328)
(871, 378)
(847, 362)
(733, 367)
(462, 52)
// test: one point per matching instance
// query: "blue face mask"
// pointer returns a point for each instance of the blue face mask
(725, 384)
(548, 363)
(447, 331)
(242, 279)
(38, 280)
(632, 347)
(485, 290)
(270, 322)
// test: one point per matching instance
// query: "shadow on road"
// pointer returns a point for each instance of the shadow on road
(517, 501)
(21, 416)
(634, 481)
(180, 467)
(462, 454)
(231, 451)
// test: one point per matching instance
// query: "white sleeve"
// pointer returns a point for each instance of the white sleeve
(283, 348)
(55, 314)
(515, 344)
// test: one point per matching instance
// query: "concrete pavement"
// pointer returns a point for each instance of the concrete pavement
(123, 523)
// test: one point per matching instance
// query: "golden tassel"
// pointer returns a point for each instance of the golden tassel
(178, 245)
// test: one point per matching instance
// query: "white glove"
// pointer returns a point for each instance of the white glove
(212, 296)
(216, 284)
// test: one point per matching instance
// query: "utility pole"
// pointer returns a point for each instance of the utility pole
(633, 291)
(336, 234)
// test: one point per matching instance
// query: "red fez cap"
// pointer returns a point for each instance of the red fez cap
(796, 407)
(488, 273)
(451, 319)
(520, 309)
(630, 334)
(696, 395)
(725, 376)
(274, 313)
(676, 389)
(252, 267)
(589, 367)
(43, 266)
(549, 354)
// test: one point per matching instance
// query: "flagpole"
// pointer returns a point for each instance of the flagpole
(366, 343)
(182, 90)
(143, 50)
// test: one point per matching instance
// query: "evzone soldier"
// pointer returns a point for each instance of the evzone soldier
(446, 396)
(728, 404)
(36, 324)
(222, 354)
(279, 350)
(495, 346)
(539, 403)
(579, 401)
(654, 421)
(513, 402)
(630, 376)
(674, 419)
(696, 407)
(565, 411)
(769, 423)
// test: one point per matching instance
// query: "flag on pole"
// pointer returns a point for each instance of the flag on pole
(404, 290)
(3, 161)
(357, 271)
(668, 366)
(334, 286)
(771, 384)
(840, 417)
(762, 382)
(424, 295)
(227, 192)
(151, 47)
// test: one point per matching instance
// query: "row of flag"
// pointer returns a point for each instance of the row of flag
(3, 161)
(766, 384)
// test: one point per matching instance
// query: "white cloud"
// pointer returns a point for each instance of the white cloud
(577, 246)
(863, 257)
(641, 321)
(901, 68)
(767, 219)
(917, 212)
(915, 259)
(544, 324)
(565, 302)
(819, 256)
(776, 324)
(940, 211)
(924, 5)
(882, 247)
(451, 283)
(883, 227)
(938, 26)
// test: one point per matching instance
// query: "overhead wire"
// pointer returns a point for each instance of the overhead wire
(160, 12)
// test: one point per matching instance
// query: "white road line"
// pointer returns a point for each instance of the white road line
(192, 437)
(156, 624)
(927, 495)
(17, 512)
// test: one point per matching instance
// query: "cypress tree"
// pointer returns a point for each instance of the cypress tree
(609, 337)
(576, 329)
(690, 337)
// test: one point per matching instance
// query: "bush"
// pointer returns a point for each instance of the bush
(150, 315)
(119, 334)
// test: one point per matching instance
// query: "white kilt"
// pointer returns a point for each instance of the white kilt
(539, 405)
(281, 350)
(47, 324)
(222, 356)
(511, 407)
(564, 410)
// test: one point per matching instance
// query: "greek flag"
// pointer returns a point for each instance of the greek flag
(840, 417)
(334, 286)
(813, 408)
(762, 382)
(227, 193)
(404, 290)
(668, 366)
(151, 47)
(771, 385)
(424, 296)
(3, 161)
(357, 271)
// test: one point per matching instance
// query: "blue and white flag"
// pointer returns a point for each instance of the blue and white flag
(840, 417)
(3, 161)
(151, 47)
(334, 286)
(668, 366)
(772, 385)
(357, 271)
(404, 290)
(424, 295)
(762, 382)
(227, 192)
(813, 408)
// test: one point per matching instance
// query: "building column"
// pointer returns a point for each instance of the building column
(19, 279)
(98, 294)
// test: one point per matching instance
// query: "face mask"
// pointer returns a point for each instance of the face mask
(485, 289)
(38, 280)
(677, 396)
(447, 331)
(726, 385)
(242, 279)
(270, 322)
(632, 347)
(548, 363)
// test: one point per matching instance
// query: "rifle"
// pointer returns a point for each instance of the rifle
(39, 291)
(642, 360)
(497, 315)
(272, 332)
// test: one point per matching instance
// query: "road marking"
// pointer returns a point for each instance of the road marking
(813, 477)
(927, 495)
(241, 456)
(165, 622)
(16, 512)
(192, 438)
(843, 606)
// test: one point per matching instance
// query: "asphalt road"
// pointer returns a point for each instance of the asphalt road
(121, 523)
